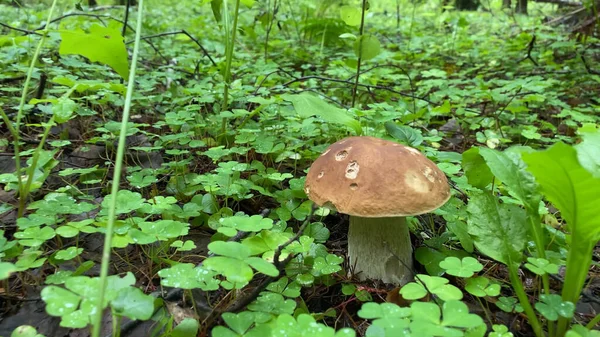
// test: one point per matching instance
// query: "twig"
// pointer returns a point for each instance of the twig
(305, 78)
(177, 293)
(25, 31)
(529, 49)
(146, 38)
(588, 68)
(280, 265)
(97, 16)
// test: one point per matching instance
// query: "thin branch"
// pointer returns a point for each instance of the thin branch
(25, 31)
(146, 38)
(588, 68)
(280, 265)
(305, 78)
(529, 49)
(97, 16)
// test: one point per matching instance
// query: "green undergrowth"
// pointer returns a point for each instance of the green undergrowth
(232, 102)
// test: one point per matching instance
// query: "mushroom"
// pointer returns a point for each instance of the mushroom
(378, 183)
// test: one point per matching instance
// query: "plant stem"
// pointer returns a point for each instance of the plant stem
(360, 37)
(513, 273)
(593, 322)
(579, 260)
(17, 150)
(97, 319)
(228, 56)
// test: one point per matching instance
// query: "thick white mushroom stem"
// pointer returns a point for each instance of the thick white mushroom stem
(376, 246)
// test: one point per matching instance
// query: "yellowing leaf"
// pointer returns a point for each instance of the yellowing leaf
(102, 44)
(351, 15)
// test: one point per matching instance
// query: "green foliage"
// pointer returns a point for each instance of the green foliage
(101, 44)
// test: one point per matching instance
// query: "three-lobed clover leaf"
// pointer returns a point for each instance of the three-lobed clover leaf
(60, 203)
(68, 254)
(305, 325)
(231, 225)
(481, 287)
(461, 268)
(327, 265)
(509, 304)
(235, 262)
(388, 318)
(541, 266)
(127, 202)
(455, 317)
(188, 276)
(581, 331)
(75, 304)
(552, 306)
(500, 331)
(436, 285)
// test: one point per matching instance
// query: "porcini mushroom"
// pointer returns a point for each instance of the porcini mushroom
(378, 183)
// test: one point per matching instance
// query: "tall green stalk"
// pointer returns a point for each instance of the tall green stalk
(97, 319)
(360, 41)
(229, 44)
(24, 193)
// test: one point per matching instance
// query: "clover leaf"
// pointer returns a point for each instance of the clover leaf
(481, 287)
(541, 266)
(127, 202)
(436, 285)
(305, 325)
(235, 262)
(188, 276)
(6, 269)
(256, 223)
(465, 268)
(426, 320)
(133, 303)
(509, 304)
(500, 331)
(388, 318)
(328, 265)
(552, 306)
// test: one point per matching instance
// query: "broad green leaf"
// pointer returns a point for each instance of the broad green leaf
(570, 187)
(366, 47)
(351, 15)
(588, 152)
(511, 170)
(307, 104)
(498, 229)
(101, 44)
(405, 134)
(477, 171)
(574, 191)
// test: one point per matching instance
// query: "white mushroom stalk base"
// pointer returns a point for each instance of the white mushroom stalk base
(376, 246)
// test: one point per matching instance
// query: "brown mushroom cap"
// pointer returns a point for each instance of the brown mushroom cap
(372, 177)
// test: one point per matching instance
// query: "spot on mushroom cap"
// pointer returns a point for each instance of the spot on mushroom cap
(372, 177)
